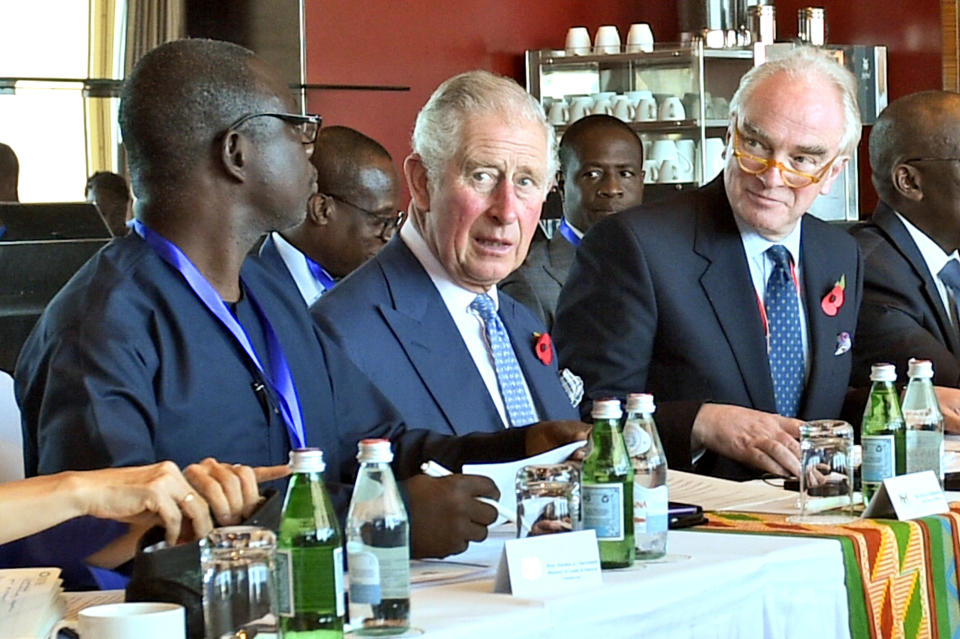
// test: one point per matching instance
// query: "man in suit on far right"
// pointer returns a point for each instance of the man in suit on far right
(912, 272)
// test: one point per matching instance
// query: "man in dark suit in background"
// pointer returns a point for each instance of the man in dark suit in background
(423, 318)
(9, 174)
(601, 172)
(351, 217)
(731, 306)
(912, 273)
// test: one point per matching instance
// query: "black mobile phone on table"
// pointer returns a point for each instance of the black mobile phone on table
(682, 515)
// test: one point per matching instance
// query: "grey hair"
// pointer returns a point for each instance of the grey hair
(436, 134)
(809, 62)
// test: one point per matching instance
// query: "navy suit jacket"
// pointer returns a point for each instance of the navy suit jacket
(270, 257)
(660, 300)
(391, 321)
(902, 314)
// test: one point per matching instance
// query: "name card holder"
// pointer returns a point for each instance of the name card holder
(548, 564)
(908, 497)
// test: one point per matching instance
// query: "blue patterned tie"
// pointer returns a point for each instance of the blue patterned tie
(509, 377)
(785, 348)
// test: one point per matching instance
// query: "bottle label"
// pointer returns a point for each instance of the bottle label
(920, 417)
(309, 579)
(649, 509)
(603, 510)
(378, 573)
(924, 449)
(879, 458)
(636, 438)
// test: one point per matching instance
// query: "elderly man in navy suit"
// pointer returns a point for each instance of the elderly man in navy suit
(423, 319)
(728, 303)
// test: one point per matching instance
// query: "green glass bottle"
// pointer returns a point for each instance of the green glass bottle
(882, 432)
(309, 556)
(607, 487)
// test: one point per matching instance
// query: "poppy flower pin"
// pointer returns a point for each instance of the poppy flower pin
(833, 301)
(543, 348)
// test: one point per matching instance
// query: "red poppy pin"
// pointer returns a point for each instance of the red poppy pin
(833, 300)
(543, 348)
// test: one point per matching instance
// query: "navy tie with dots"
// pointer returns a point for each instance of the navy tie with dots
(520, 412)
(785, 346)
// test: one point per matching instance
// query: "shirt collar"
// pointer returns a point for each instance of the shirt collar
(934, 256)
(755, 245)
(455, 297)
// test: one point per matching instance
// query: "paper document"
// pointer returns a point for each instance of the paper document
(712, 493)
(30, 602)
(504, 475)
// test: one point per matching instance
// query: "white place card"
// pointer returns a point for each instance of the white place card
(548, 564)
(908, 497)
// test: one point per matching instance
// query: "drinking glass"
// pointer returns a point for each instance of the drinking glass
(826, 473)
(548, 499)
(238, 592)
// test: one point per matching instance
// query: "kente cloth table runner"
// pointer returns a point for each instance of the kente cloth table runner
(901, 576)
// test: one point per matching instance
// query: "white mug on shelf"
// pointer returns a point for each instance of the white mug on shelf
(646, 110)
(687, 156)
(639, 38)
(669, 172)
(558, 112)
(637, 95)
(651, 170)
(671, 108)
(623, 108)
(579, 107)
(578, 41)
(712, 157)
(663, 149)
(607, 39)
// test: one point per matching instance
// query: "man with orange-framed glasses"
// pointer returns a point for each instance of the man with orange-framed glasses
(728, 303)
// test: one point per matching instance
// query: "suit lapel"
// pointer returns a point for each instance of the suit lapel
(889, 223)
(561, 253)
(734, 304)
(426, 332)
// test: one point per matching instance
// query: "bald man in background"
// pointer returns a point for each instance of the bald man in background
(910, 246)
(352, 216)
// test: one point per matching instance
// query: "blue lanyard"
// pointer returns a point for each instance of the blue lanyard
(324, 279)
(567, 231)
(281, 380)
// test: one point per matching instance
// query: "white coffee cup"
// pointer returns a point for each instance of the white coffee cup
(558, 113)
(663, 149)
(607, 39)
(646, 110)
(651, 170)
(669, 172)
(623, 108)
(639, 38)
(128, 620)
(686, 156)
(639, 94)
(578, 41)
(603, 102)
(671, 108)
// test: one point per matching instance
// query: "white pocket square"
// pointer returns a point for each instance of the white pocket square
(843, 343)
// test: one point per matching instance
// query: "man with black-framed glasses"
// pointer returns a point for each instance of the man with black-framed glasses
(355, 211)
(912, 274)
(730, 304)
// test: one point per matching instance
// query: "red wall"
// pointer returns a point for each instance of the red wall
(419, 43)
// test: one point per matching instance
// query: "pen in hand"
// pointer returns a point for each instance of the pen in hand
(433, 469)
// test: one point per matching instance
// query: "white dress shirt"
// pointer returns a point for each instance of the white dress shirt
(760, 264)
(296, 262)
(935, 258)
(457, 300)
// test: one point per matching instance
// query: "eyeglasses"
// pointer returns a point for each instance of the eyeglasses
(755, 165)
(385, 226)
(308, 125)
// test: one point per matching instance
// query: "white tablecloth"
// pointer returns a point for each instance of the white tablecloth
(711, 585)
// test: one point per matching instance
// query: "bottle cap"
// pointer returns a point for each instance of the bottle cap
(883, 373)
(920, 368)
(606, 409)
(307, 460)
(374, 450)
(640, 403)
